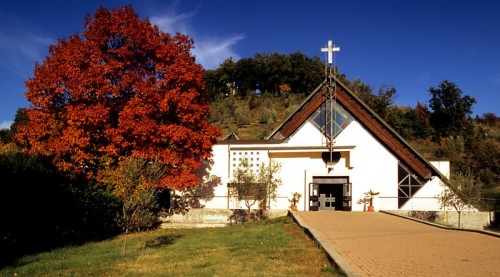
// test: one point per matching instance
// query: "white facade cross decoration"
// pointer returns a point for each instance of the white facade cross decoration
(330, 49)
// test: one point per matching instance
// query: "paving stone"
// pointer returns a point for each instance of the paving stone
(378, 244)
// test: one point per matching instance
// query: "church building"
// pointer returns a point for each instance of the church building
(332, 150)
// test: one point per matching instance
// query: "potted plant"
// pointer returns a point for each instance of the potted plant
(365, 200)
(371, 194)
(295, 198)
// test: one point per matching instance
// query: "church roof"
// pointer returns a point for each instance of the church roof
(384, 133)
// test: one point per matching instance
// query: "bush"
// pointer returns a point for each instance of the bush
(267, 116)
(254, 102)
(133, 182)
(429, 216)
(240, 216)
(242, 116)
(286, 102)
(42, 209)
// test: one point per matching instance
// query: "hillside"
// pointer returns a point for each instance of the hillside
(256, 116)
(253, 117)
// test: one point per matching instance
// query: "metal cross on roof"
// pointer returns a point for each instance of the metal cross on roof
(330, 49)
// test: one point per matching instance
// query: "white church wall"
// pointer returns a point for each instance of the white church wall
(369, 166)
(374, 167)
(308, 135)
(295, 177)
(426, 197)
(367, 163)
(220, 169)
(443, 167)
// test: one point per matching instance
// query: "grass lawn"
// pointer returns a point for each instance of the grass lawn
(270, 248)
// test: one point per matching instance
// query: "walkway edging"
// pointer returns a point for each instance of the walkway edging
(340, 261)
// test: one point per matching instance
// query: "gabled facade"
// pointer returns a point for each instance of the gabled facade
(332, 151)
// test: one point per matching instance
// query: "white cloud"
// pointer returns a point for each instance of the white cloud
(5, 124)
(173, 23)
(209, 51)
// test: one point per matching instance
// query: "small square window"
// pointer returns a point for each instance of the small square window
(251, 159)
(234, 159)
(257, 153)
(234, 165)
(251, 153)
(234, 153)
(258, 159)
(240, 153)
(240, 159)
(246, 153)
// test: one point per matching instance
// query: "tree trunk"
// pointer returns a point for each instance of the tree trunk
(124, 250)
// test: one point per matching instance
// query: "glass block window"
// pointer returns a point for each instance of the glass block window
(340, 118)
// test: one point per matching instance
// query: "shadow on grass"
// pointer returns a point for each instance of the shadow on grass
(162, 241)
(41, 210)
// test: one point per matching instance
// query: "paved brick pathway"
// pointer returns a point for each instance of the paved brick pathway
(378, 244)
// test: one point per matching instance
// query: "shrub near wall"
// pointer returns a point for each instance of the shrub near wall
(40, 209)
(469, 220)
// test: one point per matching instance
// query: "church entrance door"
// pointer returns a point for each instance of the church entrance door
(330, 193)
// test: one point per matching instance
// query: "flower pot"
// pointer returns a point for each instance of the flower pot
(371, 209)
(293, 208)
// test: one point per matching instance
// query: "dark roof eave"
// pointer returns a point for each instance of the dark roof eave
(434, 171)
(292, 115)
(250, 141)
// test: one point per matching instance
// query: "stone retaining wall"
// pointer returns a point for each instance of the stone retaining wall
(468, 220)
(207, 218)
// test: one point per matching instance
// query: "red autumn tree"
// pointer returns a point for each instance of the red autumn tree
(120, 88)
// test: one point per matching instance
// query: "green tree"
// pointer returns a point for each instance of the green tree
(383, 100)
(306, 73)
(379, 102)
(489, 119)
(451, 111)
(134, 183)
(362, 90)
(463, 193)
(411, 123)
(243, 116)
(482, 154)
(213, 85)
(265, 72)
(220, 81)
(273, 69)
(246, 76)
(253, 187)
(423, 128)
(20, 119)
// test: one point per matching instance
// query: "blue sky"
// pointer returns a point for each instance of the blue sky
(411, 45)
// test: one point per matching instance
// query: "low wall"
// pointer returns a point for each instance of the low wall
(207, 218)
(468, 220)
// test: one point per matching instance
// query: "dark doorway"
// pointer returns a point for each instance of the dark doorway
(330, 193)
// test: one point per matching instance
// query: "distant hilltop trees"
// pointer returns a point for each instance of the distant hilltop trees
(265, 73)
